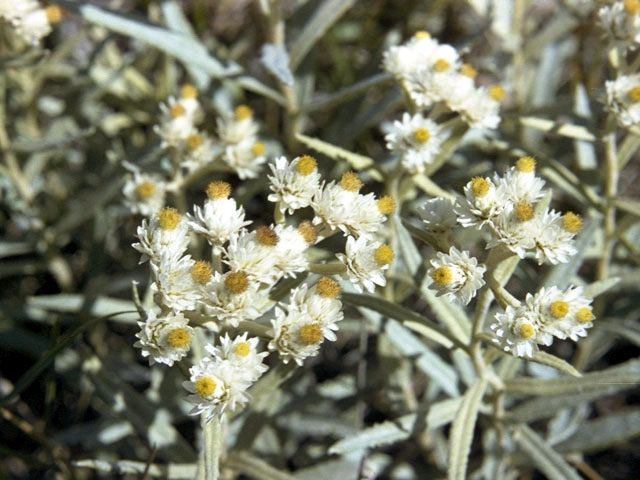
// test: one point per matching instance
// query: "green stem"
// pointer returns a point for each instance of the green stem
(327, 268)
(212, 447)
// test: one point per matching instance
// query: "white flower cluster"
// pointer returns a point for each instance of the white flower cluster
(219, 382)
(456, 275)
(30, 20)
(432, 73)
(623, 99)
(622, 22)
(549, 313)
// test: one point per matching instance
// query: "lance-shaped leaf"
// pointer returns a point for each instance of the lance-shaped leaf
(383, 433)
(603, 432)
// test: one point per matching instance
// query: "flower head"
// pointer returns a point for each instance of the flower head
(366, 260)
(165, 339)
(456, 275)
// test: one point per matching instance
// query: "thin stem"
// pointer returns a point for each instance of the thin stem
(212, 447)
(611, 188)
(327, 268)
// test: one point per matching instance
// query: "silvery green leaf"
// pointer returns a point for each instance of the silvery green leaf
(544, 457)
(428, 333)
(9, 249)
(338, 388)
(443, 412)
(410, 254)
(432, 188)
(99, 306)
(585, 151)
(552, 361)
(449, 313)
(566, 129)
(172, 471)
(598, 288)
(624, 328)
(276, 59)
(345, 466)
(462, 430)
(347, 93)
(316, 424)
(254, 467)
(384, 433)
(603, 432)
(255, 86)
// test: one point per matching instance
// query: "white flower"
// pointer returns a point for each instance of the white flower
(416, 139)
(623, 98)
(164, 339)
(482, 204)
(321, 304)
(35, 24)
(622, 22)
(516, 228)
(553, 242)
(242, 354)
(165, 234)
(14, 10)
(426, 86)
(421, 51)
(245, 158)
(295, 183)
(176, 125)
(481, 109)
(189, 100)
(199, 151)
(174, 282)
(256, 254)
(144, 193)
(215, 388)
(438, 215)
(518, 331)
(366, 260)
(456, 275)
(291, 251)
(241, 128)
(520, 183)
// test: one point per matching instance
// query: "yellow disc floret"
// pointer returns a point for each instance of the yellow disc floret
(179, 338)
(201, 272)
(524, 212)
(584, 315)
(169, 218)
(527, 331)
(218, 190)
(311, 334)
(243, 112)
(422, 35)
(384, 255)
(242, 349)
(188, 91)
(468, 71)
(308, 232)
(634, 94)
(443, 276)
(267, 236)
(441, 65)
(327, 287)
(145, 190)
(258, 149)
(306, 165)
(559, 309)
(351, 182)
(480, 187)
(177, 111)
(572, 222)
(54, 14)
(632, 7)
(422, 135)
(236, 282)
(194, 141)
(205, 386)
(387, 205)
(497, 93)
(526, 164)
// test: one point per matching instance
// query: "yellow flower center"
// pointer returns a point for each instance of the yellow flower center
(422, 135)
(559, 309)
(306, 165)
(267, 236)
(497, 93)
(258, 149)
(327, 287)
(387, 205)
(236, 282)
(54, 14)
(480, 187)
(169, 218)
(242, 349)
(308, 232)
(441, 65)
(205, 386)
(584, 315)
(443, 276)
(243, 112)
(177, 111)
(311, 334)
(526, 164)
(632, 7)
(634, 94)
(218, 190)
(351, 182)
(422, 35)
(188, 91)
(201, 272)
(527, 331)
(468, 71)
(524, 212)
(194, 141)
(384, 255)
(572, 222)
(145, 190)
(179, 338)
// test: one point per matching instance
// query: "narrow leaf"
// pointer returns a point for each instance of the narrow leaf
(385, 433)
(443, 412)
(603, 432)
(276, 59)
(545, 358)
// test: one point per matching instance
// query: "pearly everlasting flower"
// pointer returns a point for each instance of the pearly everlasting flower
(13, 11)
(144, 193)
(520, 183)
(242, 354)
(35, 24)
(189, 100)
(482, 108)
(321, 303)
(176, 125)
(482, 204)
(174, 283)
(219, 217)
(291, 251)
(232, 297)
(518, 331)
(516, 228)
(241, 128)
(199, 151)
(255, 253)
(164, 234)
(165, 339)
(438, 215)
(245, 158)
(622, 22)
(215, 388)
(366, 260)
(416, 139)
(554, 239)
(293, 184)
(456, 275)
(623, 99)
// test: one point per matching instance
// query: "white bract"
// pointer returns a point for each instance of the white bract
(366, 260)
(456, 275)
(165, 339)
(293, 184)
(623, 99)
(416, 139)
